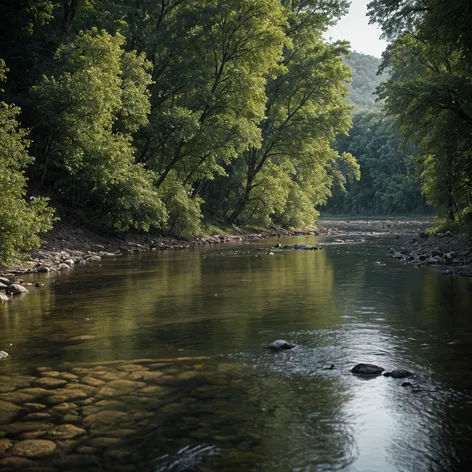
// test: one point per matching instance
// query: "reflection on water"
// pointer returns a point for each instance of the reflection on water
(172, 344)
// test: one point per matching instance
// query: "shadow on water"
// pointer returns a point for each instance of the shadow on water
(199, 391)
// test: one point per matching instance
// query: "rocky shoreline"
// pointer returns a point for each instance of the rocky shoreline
(449, 253)
(68, 245)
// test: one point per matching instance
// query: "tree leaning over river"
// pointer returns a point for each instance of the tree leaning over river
(147, 115)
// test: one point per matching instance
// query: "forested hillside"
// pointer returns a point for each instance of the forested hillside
(365, 80)
(142, 115)
(389, 183)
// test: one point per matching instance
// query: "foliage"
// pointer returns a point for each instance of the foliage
(365, 80)
(88, 111)
(388, 182)
(304, 112)
(21, 221)
(430, 93)
(153, 115)
(184, 211)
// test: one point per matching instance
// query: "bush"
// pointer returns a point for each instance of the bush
(21, 221)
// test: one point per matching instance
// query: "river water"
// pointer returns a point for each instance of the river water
(174, 343)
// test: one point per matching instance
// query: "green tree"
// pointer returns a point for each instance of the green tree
(430, 93)
(21, 220)
(210, 70)
(389, 183)
(88, 110)
(288, 175)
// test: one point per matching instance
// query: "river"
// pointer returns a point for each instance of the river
(170, 348)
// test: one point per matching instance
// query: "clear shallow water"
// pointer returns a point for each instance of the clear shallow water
(201, 317)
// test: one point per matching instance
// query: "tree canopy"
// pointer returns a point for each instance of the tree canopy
(429, 93)
(151, 115)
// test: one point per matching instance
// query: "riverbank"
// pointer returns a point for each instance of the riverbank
(68, 244)
(449, 253)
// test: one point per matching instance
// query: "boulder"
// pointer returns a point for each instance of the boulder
(280, 344)
(42, 269)
(105, 420)
(3, 355)
(50, 382)
(16, 289)
(65, 431)
(5, 281)
(104, 442)
(4, 298)
(8, 411)
(398, 374)
(16, 463)
(450, 256)
(5, 445)
(33, 448)
(367, 369)
(120, 387)
(94, 258)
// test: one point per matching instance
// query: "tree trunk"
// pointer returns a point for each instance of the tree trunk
(70, 9)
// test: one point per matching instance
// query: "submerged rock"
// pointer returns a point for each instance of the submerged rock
(65, 431)
(33, 448)
(3, 355)
(5, 445)
(8, 411)
(398, 374)
(280, 344)
(367, 369)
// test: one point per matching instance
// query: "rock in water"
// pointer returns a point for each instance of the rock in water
(3, 355)
(15, 289)
(367, 369)
(280, 344)
(188, 458)
(398, 374)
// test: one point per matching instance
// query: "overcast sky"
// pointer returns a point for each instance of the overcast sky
(355, 28)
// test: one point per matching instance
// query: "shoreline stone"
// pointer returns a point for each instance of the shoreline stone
(448, 253)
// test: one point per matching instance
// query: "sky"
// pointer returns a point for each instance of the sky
(355, 28)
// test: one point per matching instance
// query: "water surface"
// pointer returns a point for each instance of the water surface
(199, 319)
